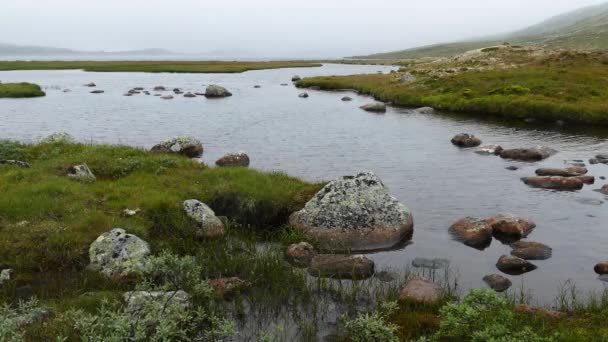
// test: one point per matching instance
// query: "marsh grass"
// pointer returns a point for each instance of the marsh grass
(20, 90)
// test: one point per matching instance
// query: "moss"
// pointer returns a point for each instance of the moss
(20, 90)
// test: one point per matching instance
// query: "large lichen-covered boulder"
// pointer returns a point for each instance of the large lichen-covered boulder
(187, 146)
(214, 91)
(355, 213)
(118, 255)
(209, 225)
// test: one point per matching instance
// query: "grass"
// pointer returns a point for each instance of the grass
(154, 66)
(20, 90)
(567, 87)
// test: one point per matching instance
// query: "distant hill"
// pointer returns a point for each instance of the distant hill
(585, 29)
(21, 50)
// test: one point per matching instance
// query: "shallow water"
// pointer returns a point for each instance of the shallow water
(321, 137)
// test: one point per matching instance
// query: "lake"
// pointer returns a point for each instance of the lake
(322, 137)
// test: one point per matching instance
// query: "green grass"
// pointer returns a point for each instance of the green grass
(155, 66)
(567, 87)
(20, 90)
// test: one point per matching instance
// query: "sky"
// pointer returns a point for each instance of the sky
(266, 28)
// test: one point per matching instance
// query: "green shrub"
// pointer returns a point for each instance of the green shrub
(13, 320)
(372, 327)
(11, 150)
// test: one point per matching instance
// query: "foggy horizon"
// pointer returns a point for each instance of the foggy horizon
(268, 28)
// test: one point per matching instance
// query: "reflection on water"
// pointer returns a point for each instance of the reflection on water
(321, 137)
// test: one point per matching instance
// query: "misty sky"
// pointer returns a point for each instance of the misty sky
(266, 28)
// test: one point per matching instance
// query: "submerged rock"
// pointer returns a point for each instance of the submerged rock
(554, 183)
(91, 84)
(567, 172)
(355, 213)
(189, 95)
(167, 97)
(433, 264)
(472, 232)
(374, 107)
(227, 288)
(489, 150)
(257, 86)
(528, 250)
(513, 265)
(466, 140)
(187, 146)
(209, 225)
(497, 282)
(240, 159)
(601, 268)
(215, 91)
(137, 301)
(97, 92)
(347, 98)
(512, 168)
(599, 159)
(510, 227)
(528, 154)
(420, 291)
(300, 254)
(604, 189)
(118, 255)
(425, 110)
(18, 163)
(160, 88)
(339, 266)
(81, 172)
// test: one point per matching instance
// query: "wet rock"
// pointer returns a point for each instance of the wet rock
(59, 138)
(67, 90)
(5, 276)
(512, 168)
(18, 163)
(510, 227)
(425, 110)
(167, 97)
(355, 213)
(466, 140)
(528, 154)
(209, 225)
(385, 276)
(160, 88)
(497, 282)
(374, 107)
(97, 92)
(589, 201)
(346, 98)
(257, 86)
(133, 91)
(599, 159)
(303, 95)
(296, 78)
(227, 288)
(240, 159)
(601, 268)
(91, 84)
(433, 264)
(552, 314)
(340, 266)
(513, 265)
(421, 291)
(187, 146)
(528, 250)
(189, 95)
(300, 254)
(138, 88)
(137, 301)
(604, 190)
(407, 78)
(554, 183)
(567, 172)
(489, 150)
(118, 255)
(586, 179)
(81, 172)
(216, 91)
(472, 232)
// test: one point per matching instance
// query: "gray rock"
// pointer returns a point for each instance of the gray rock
(425, 110)
(487, 150)
(386, 276)
(67, 90)
(257, 86)
(137, 301)
(240, 159)
(528, 154)
(433, 264)
(97, 92)
(91, 84)
(189, 95)
(512, 168)
(209, 225)
(118, 255)
(81, 172)
(5, 276)
(160, 88)
(420, 291)
(466, 140)
(497, 282)
(603, 190)
(407, 78)
(18, 163)
(374, 107)
(187, 146)
(300, 254)
(347, 98)
(355, 213)
(59, 138)
(167, 97)
(513, 265)
(341, 266)
(216, 91)
(528, 250)
(303, 95)
(473, 232)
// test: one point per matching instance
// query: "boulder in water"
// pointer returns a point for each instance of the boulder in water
(341, 266)
(240, 159)
(510, 227)
(528, 154)
(300, 254)
(466, 140)
(513, 265)
(497, 282)
(573, 171)
(374, 107)
(216, 91)
(528, 250)
(554, 183)
(472, 232)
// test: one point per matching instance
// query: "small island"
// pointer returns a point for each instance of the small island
(20, 90)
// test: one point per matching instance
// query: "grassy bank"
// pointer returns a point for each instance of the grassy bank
(568, 88)
(20, 90)
(155, 66)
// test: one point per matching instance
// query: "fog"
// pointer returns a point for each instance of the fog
(266, 28)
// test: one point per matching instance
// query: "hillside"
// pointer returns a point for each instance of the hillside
(585, 29)
(22, 50)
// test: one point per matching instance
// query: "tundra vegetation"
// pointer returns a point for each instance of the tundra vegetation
(20, 90)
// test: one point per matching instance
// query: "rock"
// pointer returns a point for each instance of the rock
(67, 90)
(303, 95)
(300, 254)
(528, 154)
(355, 213)
(295, 78)
(5, 276)
(60, 137)
(433, 264)
(338, 266)
(512, 168)
(604, 190)
(567, 172)
(18, 163)
(554, 183)
(425, 110)
(257, 86)
(497, 282)
(160, 88)
(420, 291)
(284, 84)
(531, 250)
(552, 314)
(472, 232)
(127, 94)
(81, 172)
(216, 91)
(601, 268)
(227, 288)
(586, 179)
(187, 146)
(513, 265)
(118, 255)
(97, 92)
(158, 95)
(489, 150)
(91, 84)
(407, 78)
(347, 98)
(189, 95)
(209, 225)
(466, 140)
(138, 88)
(240, 159)
(167, 97)
(137, 301)
(510, 227)
(374, 107)
(133, 91)
(131, 212)
(589, 201)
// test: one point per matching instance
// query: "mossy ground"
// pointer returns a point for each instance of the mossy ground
(20, 90)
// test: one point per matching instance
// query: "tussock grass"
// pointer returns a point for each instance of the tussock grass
(20, 90)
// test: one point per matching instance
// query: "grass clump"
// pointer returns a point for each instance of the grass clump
(20, 90)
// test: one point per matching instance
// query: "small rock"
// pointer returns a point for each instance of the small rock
(189, 95)
(554, 183)
(497, 282)
(512, 168)
(130, 212)
(284, 84)
(407, 78)
(187, 146)
(97, 92)
(604, 189)
(489, 150)
(466, 140)
(510, 227)
(137, 301)
(167, 97)
(160, 88)
(425, 110)
(347, 98)
(216, 91)
(5, 276)
(81, 172)
(138, 88)
(472, 232)
(18, 163)
(91, 84)
(567, 172)
(385, 276)
(303, 95)
(513, 265)
(240, 159)
(257, 86)
(601, 268)
(420, 291)
(528, 250)
(118, 255)
(67, 90)
(586, 179)
(227, 288)
(374, 107)
(590, 201)
(338, 266)
(209, 225)
(296, 78)
(528, 154)
(300, 254)
(552, 314)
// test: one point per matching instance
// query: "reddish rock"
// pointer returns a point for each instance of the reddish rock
(528, 154)
(586, 179)
(342, 266)
(228, 287)
(531, 250)
(240, 159)
(472, 232)
(514, 266)
(601, 268)
(421, 291)
(466, 140)
(604, 190)
(567, 172)
(497, 282)
(554, 183)
(510, 227)
(300, 254)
